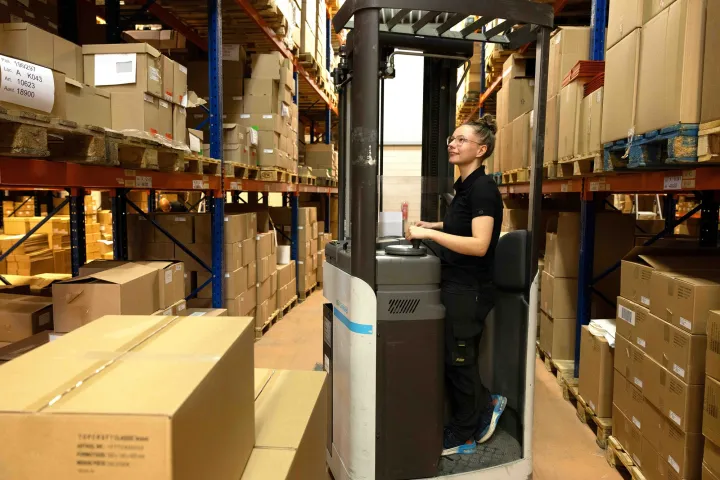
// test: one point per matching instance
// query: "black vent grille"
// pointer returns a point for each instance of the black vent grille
(403, 306)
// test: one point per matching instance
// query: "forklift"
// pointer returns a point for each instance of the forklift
(383, 323)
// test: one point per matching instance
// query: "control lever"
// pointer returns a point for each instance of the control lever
(416, 243)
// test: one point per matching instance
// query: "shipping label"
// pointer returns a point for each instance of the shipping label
(26, 84)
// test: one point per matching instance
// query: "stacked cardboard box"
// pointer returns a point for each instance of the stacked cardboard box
(240, 144)
(596, 367)
(150, 84)
(267, 278)
(568, 45)
(662, 315)
(31, 257)
(22, 316)
(307, 264)
(711, 407)
(323, 159)
(23, 207)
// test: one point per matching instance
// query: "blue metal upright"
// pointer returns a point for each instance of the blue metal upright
(77, 230)
(216, 144)
(598, 24)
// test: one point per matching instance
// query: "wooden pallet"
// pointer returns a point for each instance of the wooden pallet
(287, 307)
(272, 174)
(304, 295)
(145, 153)
(326, 182)
(518, 175)
(676, 145)
(200, 165)
(580, 165)
(602, 427)
(550, 171)
(618, 458)
(561, 369)
(272, 320)
(307, 180)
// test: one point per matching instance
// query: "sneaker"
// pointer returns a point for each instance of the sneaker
(453, 446)
(499, 403)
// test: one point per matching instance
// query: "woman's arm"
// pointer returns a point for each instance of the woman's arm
(477, 245)
(430, 225)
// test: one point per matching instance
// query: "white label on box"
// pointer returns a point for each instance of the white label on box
(181, 307)
(679, 370)
(183, 69)
(686, 323)
(638, 382)
(168, 312)
(148, 98)
(326, 360)
(245, 116)
(164, 104)
(645, 301)
(180, 219)
(231, 52)
(197, 184)
(637, 422)
(675, 418)
(168, 276)
(143, 181)
(197, 314)
(178, 267)
(673, 464)
(626, 314)
(234, 186)
(195, 144)
(227, 275)
(26, 84)
(672, 182)
(268, 150)
(154, 74)
(267, 117)
(115, 69)
(641, 342)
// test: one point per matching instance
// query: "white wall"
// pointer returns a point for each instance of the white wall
(403, 102)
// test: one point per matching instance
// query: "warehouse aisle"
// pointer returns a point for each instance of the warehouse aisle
(563, 447)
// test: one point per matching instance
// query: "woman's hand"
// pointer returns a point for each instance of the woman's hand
(417, 232)
(430, 225)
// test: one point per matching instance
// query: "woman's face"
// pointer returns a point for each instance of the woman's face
(465, 147)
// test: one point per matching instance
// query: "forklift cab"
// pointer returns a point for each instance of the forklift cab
(383, 323)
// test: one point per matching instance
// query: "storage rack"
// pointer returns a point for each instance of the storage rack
(38, 174)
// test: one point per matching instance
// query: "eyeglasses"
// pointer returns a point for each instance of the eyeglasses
(460, 141)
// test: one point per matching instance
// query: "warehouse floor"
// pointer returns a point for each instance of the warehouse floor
(563, 447)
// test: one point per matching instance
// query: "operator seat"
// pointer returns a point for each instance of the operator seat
(504, 343)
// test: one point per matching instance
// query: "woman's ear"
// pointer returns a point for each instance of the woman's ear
(482, 149)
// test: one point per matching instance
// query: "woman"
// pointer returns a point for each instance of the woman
(467, 237)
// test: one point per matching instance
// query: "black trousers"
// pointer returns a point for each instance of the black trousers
(470, 400)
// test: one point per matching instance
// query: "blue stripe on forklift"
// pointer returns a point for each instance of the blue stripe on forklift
(358, 328)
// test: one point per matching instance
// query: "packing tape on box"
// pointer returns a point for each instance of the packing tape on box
(112, 358)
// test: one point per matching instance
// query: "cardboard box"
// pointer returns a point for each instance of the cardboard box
(675, 399)
(27, 42)
(170, 282)
(625, 16)
(632, 323)
(168, 71)
(712, 355)
(711, 411)
(711, 457)
(629, 399)
(596, 367)
(680, 352)
(558, 296)
(521, 144)
(206, 312)
(671, 57)
(135, 111)
(22, 316)
(708, 474)
(67, 58)
(568, 45)
(179, 124)
(111, 67)
(180, 84)
(627, 434)
(267, 65)
(285, 273)
(710, 104)
(685, 300)
(126, 290)
(621, 85)
(290, 426)
(180, 226)
(631, 362)
(265, 245)
(590, 123)
(571, 97)
(249, 251)
(562, 250)
(86, 105)
(552, 123)
(557, 337)
(188, 417)
(165, 119)
(97, 266)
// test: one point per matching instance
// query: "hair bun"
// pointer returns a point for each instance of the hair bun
(488, 121)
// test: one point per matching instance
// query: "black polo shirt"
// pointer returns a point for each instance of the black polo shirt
(476, 196)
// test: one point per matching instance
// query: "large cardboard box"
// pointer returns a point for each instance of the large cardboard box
(518, 99)
(67, 58)
(627, 434)
(711, 458)
(552, 124)
(571, 97)
(710, 104)
(286, 273)
(590, 123)
(180, 226)
(631, 362)
(680, 352)
(290, 426)
(86, 105)
(621, 84)
(671, 57)
(568, 45)
(521, 141)
(165, 119)
(675, 399)
(711, 411)
(27, 42)
(712, 355)
(129, 289)
(685, 299)
(135, 111)
(625, 16)
(557, 337)
(558, 296)
(629, 399)
(124, 67)
(22, 316)
(170, 281)
(180, 84)
(179, 124)
(632, 322)
(596, 367)
(186, 420)
(562, 251)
